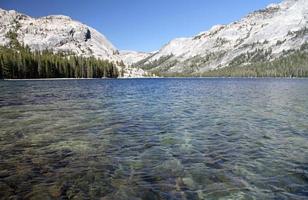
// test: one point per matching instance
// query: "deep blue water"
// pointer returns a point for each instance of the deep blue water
(154, 139)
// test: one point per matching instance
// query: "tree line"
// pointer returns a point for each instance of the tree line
(19, 62)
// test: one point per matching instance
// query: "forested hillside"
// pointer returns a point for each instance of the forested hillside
(19, 62)
(294, 64)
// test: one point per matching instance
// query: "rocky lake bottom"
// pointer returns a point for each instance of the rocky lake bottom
(154, 139)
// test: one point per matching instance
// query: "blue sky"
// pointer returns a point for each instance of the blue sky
(142, 25)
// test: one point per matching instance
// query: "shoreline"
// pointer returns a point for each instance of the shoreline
(127, 78)
(51, 79)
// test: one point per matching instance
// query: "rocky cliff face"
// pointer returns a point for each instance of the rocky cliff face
(62, 34)
(58, 33)
(264, 34)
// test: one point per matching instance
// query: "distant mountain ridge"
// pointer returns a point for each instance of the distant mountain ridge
(263, 35)
(130, 57)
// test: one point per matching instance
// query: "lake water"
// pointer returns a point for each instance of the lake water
(154, 139)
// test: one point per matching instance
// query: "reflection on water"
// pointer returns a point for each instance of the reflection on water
(154, 139)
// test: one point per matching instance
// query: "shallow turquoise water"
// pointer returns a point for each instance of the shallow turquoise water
(154, 139)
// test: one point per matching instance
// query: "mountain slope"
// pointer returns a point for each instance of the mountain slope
(60, 33)
(262, 35)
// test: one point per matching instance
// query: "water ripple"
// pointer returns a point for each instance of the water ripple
(154, 139)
